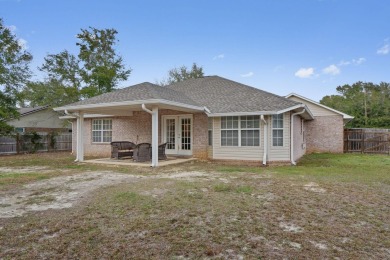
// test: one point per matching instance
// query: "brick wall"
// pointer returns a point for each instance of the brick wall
(325, 134)
(138, 129)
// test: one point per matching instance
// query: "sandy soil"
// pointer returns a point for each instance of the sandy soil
(65, 191)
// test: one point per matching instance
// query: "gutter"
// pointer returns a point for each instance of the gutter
(265, 140)
(292, 136)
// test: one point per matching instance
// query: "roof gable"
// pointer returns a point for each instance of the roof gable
(317, 108)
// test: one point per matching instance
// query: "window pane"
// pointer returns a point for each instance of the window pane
(107, 136)
(235, 122)
(250, 138)
(229, 138)
(96, 136)
(277, 137)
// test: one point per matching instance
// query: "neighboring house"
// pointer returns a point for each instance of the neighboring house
(208, 118)
(40, 119)
(325, 133)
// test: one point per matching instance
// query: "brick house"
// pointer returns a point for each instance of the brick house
(209, 118)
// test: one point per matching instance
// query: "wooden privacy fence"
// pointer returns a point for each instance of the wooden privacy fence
(32, 142)
(366, 140)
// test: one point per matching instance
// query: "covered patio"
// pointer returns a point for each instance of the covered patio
(143, 109)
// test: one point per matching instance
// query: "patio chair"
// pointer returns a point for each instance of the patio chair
(161, 152)
(142, 152)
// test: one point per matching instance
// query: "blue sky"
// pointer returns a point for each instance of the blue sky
(304, 46)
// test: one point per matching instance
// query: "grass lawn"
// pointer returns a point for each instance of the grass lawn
(329, 206)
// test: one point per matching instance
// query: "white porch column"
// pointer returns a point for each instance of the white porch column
(80, 138)
(155, 137)
(81, 116)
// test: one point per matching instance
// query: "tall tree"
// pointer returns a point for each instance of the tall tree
(95, 70)
(369, 103)
(103, 67)
(62, 84)
(14, 72)
(182, 73)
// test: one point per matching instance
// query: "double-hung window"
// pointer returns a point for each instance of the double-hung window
(101, 130)
(250, 131)
(240, 131)
(229, 131)
(277, 130)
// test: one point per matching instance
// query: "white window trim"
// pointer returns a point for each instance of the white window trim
(275, 128)
(239, 132)
(100, 131)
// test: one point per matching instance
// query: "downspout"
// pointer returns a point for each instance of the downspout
(146, 110)
(265, 140)
(292, 136)
(78, 130)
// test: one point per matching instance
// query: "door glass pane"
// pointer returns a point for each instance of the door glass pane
(170, 133)
(185, 133)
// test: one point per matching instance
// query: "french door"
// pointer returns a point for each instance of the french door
(177, 133)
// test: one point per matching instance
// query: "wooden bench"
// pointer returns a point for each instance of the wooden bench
(121, 149)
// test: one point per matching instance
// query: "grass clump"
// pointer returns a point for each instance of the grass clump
(222, 187)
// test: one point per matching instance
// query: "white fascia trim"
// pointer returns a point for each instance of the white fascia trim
(86, 116)
(295, 107)
(129, 103)
(345, 116)
(256, 113)
(242, 113)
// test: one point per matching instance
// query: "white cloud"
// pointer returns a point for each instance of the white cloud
(331, 69)
(344, 63)
(218, 57)
(247, 75)
(304, 73)
(384, 50)
(357, 61)
(23, 43)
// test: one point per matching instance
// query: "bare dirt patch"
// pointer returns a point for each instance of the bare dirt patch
(64, 191)
(56, 193)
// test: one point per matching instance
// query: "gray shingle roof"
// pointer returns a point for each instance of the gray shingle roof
(28, 110)
(221, 95)
(143, 91)
(218, 94)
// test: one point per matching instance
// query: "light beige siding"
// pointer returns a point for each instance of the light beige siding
(280, 153)
(315, 109)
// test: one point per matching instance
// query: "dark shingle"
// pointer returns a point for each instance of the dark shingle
(221, 95)
(143, 91)
(218, 94)
(28, 110)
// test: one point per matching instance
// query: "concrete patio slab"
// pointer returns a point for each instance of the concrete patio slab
(130, 162)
